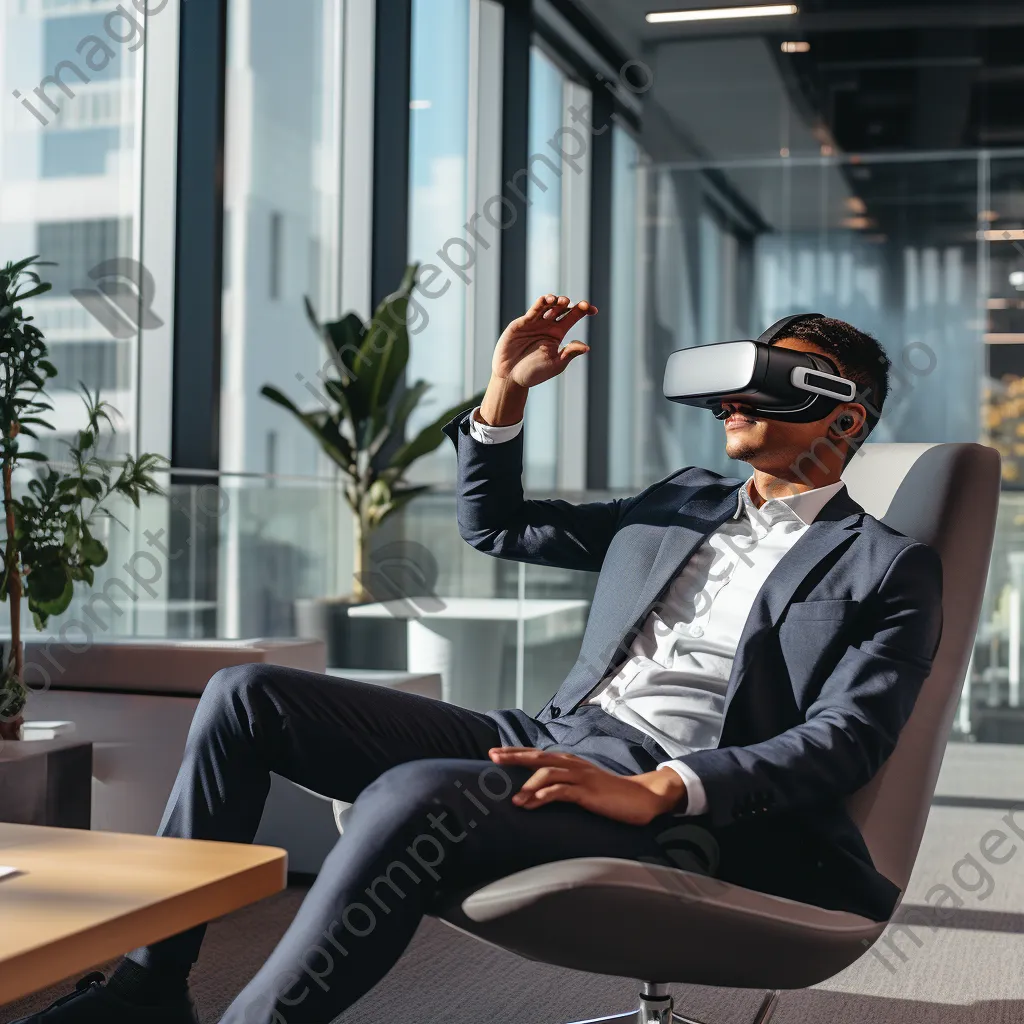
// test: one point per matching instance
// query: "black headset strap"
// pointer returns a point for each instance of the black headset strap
(779, 328)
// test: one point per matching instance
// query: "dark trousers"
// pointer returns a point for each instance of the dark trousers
(431, 817)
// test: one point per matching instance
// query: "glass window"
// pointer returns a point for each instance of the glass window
(70, 190)
(544, 262)
(282, 228)
(438, 199)
(626, 299)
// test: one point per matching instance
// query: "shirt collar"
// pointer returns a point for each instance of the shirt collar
(804, 506)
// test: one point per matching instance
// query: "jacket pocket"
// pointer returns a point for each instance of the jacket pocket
(812, 637)
(821, 610)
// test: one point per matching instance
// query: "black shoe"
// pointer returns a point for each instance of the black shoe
(93, 1003)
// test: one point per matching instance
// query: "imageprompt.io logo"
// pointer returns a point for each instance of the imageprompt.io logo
(122, 300)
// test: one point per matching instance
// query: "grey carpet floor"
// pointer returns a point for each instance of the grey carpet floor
(963, 968)
(445, 976)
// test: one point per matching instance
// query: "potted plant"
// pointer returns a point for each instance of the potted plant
(49, 542)
(359, 422)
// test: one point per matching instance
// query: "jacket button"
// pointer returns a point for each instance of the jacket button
(555, 710)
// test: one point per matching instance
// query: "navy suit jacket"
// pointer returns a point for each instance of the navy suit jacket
(828, 666)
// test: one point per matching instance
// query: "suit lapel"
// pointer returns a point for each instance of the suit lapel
(696, 519)
(829, 531)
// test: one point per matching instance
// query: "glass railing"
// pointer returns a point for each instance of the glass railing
(990, 705)
(220, 556)
(242, 556)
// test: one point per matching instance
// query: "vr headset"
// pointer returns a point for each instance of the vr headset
(776, 383)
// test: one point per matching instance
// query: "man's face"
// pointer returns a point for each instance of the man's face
(774, 446)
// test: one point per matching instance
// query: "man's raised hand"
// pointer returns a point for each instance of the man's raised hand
(528, 350)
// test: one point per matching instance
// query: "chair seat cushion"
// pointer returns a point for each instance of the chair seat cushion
(662, 924)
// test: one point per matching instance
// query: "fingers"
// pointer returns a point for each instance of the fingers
(539, 779)
(571, 351)
(539, 307)
(558, 308)
(574, 315)
(559, 791)
(548, 784)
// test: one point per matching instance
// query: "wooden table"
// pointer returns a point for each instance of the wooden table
(86, 897)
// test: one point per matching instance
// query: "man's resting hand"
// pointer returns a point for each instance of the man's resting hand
(633, 799)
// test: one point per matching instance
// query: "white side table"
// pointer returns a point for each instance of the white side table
(462, 640)
(426, 684)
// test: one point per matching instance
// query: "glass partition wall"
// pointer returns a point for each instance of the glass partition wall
(925, 252)
(900, 248)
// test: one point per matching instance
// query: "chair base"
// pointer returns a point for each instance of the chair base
(656, 1007)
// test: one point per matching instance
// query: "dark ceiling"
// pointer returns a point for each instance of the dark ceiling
(882, 80)
(953, 80)
(882, 75)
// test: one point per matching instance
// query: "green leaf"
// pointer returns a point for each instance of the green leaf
(404, 407)
(56, 605)
(281, 399)
(344, 340)
(12, 270)
(336, 390)
(324, 428)
(93, 551)
(335, 444)
(371, 428)
(399, 499)
(386, 347)
(430, 437)
(381, 438)
(342, 337)
(48, 580)
(32, 293)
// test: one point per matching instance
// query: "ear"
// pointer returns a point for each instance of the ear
(848, 422)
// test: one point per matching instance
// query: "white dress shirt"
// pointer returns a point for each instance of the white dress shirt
(672, 685)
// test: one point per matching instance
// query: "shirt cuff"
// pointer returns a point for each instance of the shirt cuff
(696, 799)
(486, 434)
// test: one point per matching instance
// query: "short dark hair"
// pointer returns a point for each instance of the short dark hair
(860, 358)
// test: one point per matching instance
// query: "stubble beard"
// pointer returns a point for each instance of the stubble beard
(742, 451)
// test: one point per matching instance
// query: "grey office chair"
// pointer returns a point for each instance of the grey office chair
(687, 928)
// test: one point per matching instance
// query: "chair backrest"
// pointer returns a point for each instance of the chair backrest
(945, 495)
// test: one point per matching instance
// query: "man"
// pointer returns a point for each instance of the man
(752, 653)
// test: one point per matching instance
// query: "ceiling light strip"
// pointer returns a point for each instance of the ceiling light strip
(721, 13)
